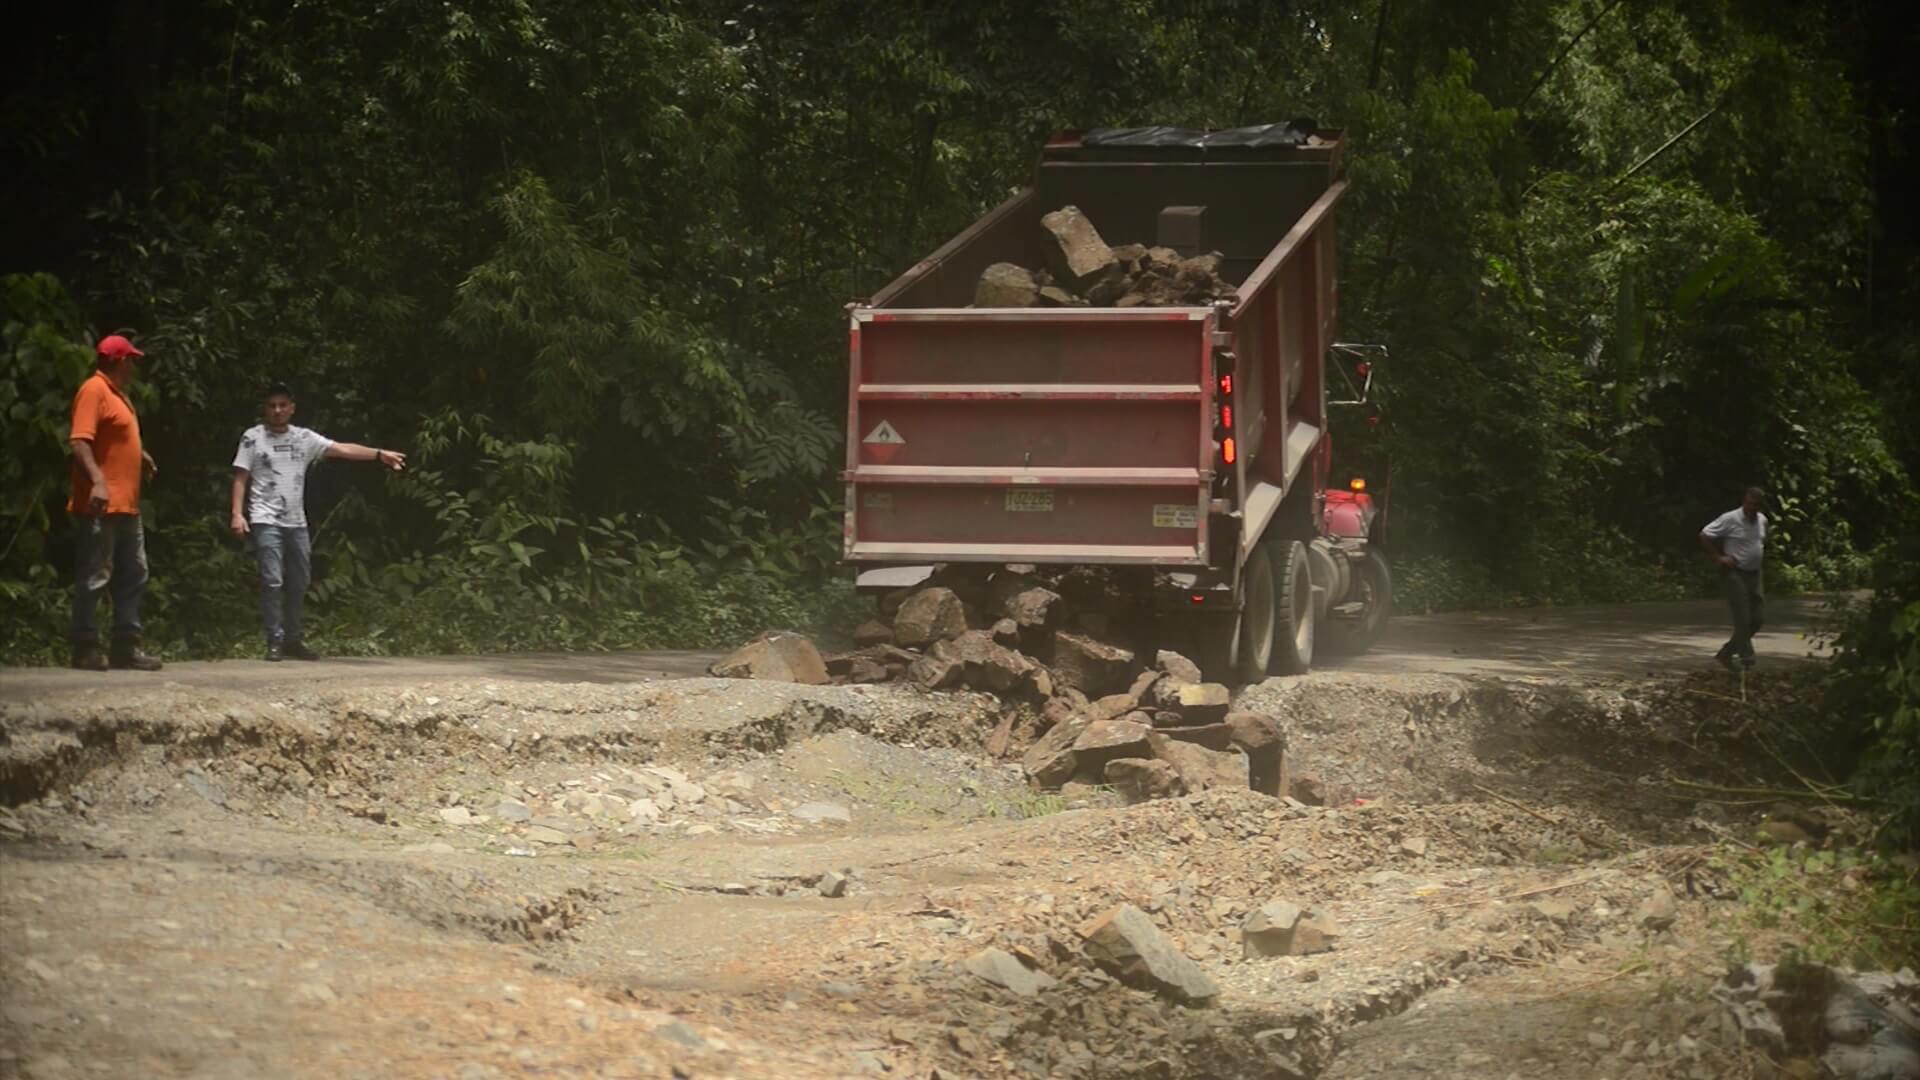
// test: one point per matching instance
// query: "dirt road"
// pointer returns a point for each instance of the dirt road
(533, 866)
(1599, 641)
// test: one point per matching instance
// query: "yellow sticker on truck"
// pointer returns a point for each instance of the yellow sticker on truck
(1030, 500)
(1176, 516)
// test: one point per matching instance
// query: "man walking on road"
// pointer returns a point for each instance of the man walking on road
(110, 554)
(269, 504)
(1736, 540)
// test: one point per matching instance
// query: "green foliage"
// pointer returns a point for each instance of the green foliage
(1875, 682)
(603, 250)
(1845, 907)
(46, 360)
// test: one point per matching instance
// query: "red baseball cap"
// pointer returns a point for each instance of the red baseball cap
(115, 347)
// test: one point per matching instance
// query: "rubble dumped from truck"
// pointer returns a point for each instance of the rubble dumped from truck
(1082, 270)
(1080, 709)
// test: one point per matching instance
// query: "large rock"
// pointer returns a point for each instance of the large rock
(872, 632)
(1256, 731)
(1095, 667)
(1280, 928)
(1113, 707)
(775, 657)
(1181, 668)
(1268, 929)
(1124, 941)
(1078, 254)
(1050, 761)
(1020, 598)
(1142, 688)
(1006, 285)
(1204, 703)
(1264, 741)
(864, 670)
(1315, 932)
(928, 616)
(1034, 607)
(1003, 969)
(1139, 779)
(1198, 766)
(1106, 740)
(987, 665)
(935, 672)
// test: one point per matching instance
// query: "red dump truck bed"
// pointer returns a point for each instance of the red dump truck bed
(1092, 434)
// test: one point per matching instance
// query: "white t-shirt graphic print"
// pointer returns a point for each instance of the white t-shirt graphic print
(277, 464)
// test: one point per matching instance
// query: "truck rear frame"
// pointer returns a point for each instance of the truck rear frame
(1189, 441)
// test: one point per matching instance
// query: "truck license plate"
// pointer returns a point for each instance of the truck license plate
(1175, 516)
(1030, 500)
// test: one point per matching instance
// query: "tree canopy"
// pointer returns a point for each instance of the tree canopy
(589, 260)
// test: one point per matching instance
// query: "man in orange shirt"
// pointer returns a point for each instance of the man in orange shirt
(110, 548)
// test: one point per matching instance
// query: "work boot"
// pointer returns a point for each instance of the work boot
(297, 650)
(88, 657)
(1723, 660)
(273, 652)
(128, 654)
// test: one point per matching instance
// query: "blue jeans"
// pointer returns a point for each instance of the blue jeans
(285, 554)
(110, 555)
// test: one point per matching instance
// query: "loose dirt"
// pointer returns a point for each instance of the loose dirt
(448, 877)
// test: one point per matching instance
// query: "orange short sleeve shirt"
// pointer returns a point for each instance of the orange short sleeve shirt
(102, 416)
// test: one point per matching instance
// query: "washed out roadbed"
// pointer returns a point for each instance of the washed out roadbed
(704, 877)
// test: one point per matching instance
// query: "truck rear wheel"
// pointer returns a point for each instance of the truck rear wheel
(1257, 621)
(1373, 588)
(1293, 622)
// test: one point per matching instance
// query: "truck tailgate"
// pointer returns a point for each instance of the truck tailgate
(1030, 435)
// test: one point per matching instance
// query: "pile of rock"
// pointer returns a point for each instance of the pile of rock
(1083, 271)
(1086, 711)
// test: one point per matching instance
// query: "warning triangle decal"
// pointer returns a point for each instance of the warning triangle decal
(884, 435)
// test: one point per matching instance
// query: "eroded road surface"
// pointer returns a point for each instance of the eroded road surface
(1602, 641)
(612, 866)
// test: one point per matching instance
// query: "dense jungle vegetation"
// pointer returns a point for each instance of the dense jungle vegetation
(586, 262)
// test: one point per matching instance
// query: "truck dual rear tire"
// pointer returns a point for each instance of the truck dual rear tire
(1257, 618)
(1293, 608)
(1372, 586)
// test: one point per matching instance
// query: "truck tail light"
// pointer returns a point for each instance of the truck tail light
(1223, 427)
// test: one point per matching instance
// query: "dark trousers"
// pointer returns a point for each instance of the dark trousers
(285, 555)
(110, 556)
(1746, 602)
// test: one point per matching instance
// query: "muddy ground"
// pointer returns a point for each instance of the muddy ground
(450, 877)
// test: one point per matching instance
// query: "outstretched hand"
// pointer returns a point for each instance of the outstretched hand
(392, 459)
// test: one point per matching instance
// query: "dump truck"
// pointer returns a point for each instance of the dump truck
(1185, 450)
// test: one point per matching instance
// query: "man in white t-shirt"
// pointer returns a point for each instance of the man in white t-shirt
(1737, 539)
(269, 504)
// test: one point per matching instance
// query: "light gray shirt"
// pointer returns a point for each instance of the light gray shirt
(1740, 538)
(277, 464)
